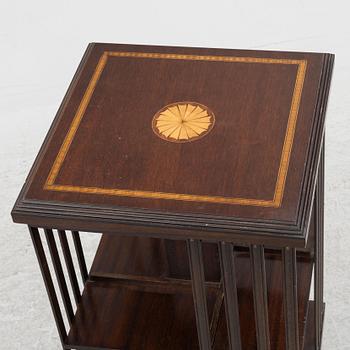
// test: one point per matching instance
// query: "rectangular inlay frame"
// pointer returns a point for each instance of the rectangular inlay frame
(286, 149)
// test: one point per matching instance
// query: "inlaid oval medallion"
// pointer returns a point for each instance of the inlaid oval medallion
(183, 122)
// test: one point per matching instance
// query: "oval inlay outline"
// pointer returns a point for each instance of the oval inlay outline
(183, 122)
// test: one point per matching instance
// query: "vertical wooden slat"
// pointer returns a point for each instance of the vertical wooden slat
(59, 274)
(199, 294)
(80, 255)
(260, 297)
(230, 291)
(290, 298)
(319, 247)
(50, 289)
(70, 266)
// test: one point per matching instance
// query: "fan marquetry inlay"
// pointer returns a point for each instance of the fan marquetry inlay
(183, 122)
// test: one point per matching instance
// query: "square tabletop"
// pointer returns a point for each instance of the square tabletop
(212, 143)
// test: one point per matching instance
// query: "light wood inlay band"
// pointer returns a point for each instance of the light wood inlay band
(286, 150)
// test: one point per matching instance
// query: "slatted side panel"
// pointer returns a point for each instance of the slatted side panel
(288, 260)
(60, 275)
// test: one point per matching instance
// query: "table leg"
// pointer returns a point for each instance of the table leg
(290, 298)
(230, 291)
(260, 297)
(319, 249)
(199, 293)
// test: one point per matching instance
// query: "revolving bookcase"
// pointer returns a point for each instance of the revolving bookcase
(203, 171)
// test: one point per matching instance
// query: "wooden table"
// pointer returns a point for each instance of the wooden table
(204, 170)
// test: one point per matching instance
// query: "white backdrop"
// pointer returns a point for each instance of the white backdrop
(41, 43)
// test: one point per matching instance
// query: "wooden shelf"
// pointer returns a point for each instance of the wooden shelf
(150, 258)
(124, 316)
(123, 308)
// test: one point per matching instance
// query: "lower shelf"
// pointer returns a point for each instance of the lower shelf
(123, 316)
(127, 308)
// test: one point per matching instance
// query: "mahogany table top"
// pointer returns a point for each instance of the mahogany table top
(217, 143)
